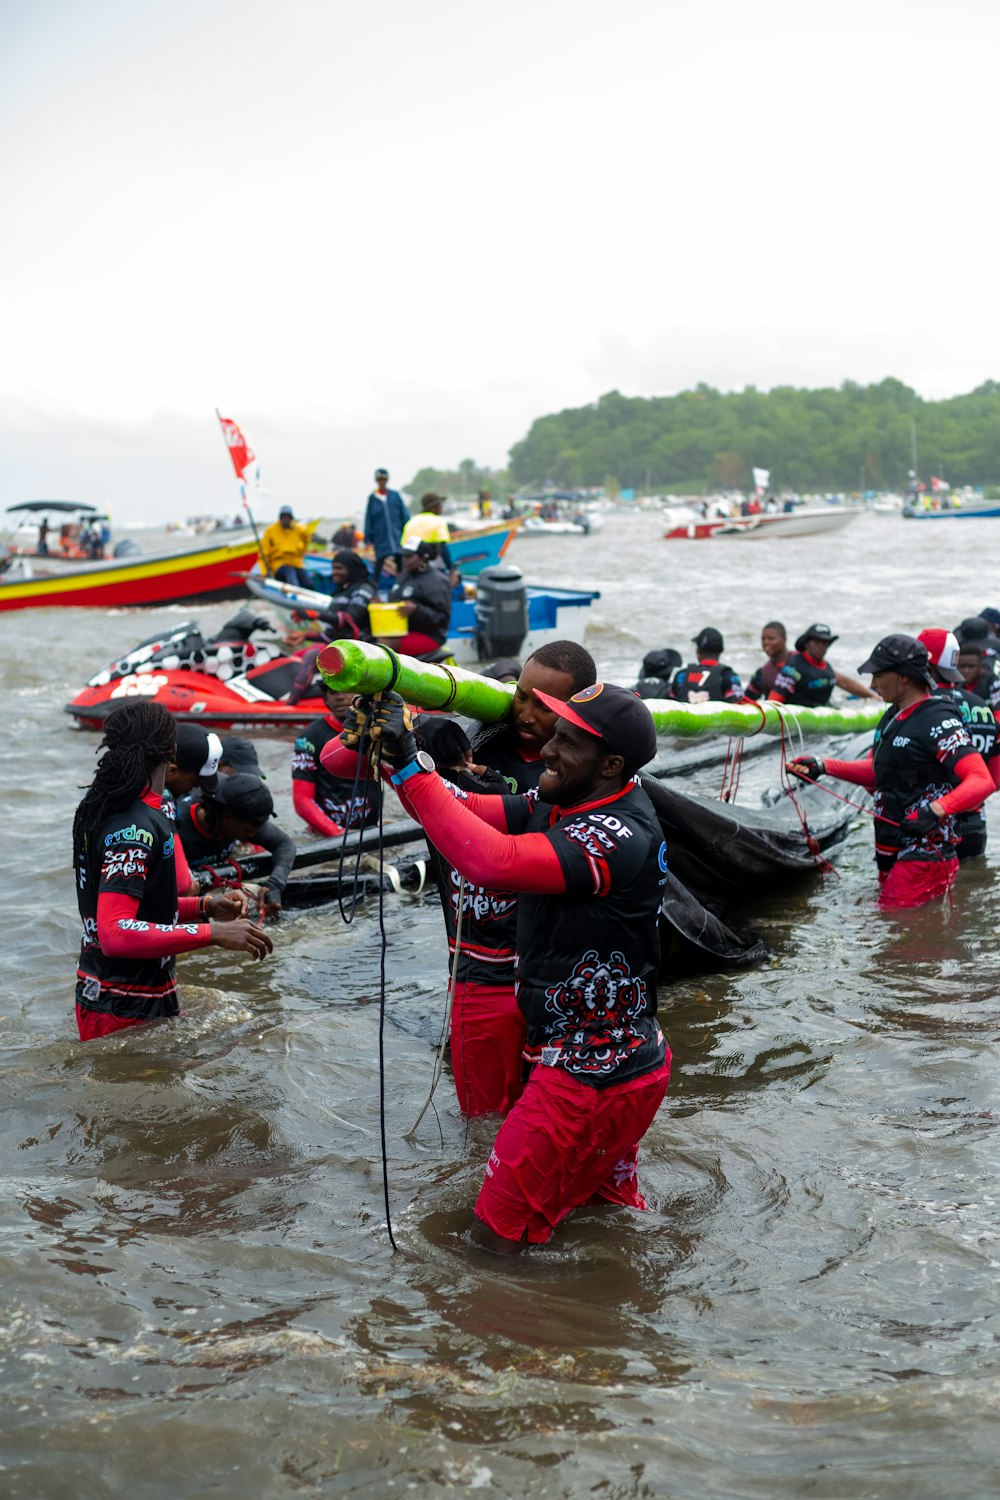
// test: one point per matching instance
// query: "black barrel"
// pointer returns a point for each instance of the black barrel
(501, 612)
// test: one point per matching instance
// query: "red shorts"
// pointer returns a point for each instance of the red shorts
(487, 1039)
(565, 1144)
(415, 643)
(95, 1023)
(914, 882)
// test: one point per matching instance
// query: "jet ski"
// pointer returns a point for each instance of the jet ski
(229, 653)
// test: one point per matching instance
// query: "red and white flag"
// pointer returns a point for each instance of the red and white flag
(240, 450)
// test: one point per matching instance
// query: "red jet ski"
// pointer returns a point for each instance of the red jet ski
(253, 700)
(224, 681)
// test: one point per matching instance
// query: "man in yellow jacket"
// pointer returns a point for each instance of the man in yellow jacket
(283, 548)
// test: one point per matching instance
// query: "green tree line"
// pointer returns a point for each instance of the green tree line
(828, 439)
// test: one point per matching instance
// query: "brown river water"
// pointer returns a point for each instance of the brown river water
(199, 1294)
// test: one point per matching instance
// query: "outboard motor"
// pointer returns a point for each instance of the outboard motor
(501, 612)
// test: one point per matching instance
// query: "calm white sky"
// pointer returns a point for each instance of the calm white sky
(396, 233)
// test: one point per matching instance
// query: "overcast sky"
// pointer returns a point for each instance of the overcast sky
(396, 233)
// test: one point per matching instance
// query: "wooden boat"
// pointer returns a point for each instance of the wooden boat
(206, 573)
(800, 522)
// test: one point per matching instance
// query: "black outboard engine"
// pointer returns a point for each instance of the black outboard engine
(501, 612)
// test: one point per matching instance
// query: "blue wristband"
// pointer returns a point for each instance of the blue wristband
(413, 769)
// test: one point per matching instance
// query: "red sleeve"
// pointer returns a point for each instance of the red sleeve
(487, 809)
(122, 935)
(975, 784)
(339, 761)
(993, 766)
(181, 867)
(188, 908)
(484, 855)
(309, 810)
(861, 772)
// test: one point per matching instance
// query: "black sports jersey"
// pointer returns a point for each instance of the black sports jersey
(916, 752)
(805, 681)
(334, 793)
(702, 680)
(763, 680)
(980, 721)
(988, 683)
(136, 853)
(587, 960)
(488, 917)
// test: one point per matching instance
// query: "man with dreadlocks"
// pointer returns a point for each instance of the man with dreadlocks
(126, 883)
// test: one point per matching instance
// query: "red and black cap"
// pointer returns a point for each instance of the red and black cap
(613, 714)
(901, 653)
(942, 649)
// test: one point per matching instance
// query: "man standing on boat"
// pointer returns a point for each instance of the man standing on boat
(587, 858)
(283, 549)
(385, 516)
(923, 771)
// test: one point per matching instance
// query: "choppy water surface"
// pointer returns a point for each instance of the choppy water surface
(199, 1294)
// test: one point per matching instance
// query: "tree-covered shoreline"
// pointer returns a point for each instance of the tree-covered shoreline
(840, 439)
(847, 438)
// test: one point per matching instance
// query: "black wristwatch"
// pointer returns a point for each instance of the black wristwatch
(420, 762)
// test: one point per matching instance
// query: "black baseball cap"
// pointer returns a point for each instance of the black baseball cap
(901, 653)
(709, 639)
(816, 633)
(241, 755)
(381, 473)
(246, 797)
(199, 751)
(613, 714)
(973, 630)
(661, 663)
(993, 615)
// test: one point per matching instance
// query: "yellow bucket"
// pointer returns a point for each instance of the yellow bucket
(387, 620)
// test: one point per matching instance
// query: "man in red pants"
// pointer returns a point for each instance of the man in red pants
(923, 771)
(587, 858)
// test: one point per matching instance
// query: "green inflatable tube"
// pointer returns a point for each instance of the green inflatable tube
(354, 666)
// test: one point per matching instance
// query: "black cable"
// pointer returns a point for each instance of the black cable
(377, 767)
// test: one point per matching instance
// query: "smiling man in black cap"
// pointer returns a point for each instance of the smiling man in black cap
(923, 771)
(587, 857)
(807, 679)
(707, 678)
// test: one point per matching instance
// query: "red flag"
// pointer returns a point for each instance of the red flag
(240, 450)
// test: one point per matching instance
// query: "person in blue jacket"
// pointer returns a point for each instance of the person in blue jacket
(385, 516)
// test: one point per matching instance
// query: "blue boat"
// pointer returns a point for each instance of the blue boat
(551, 614)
